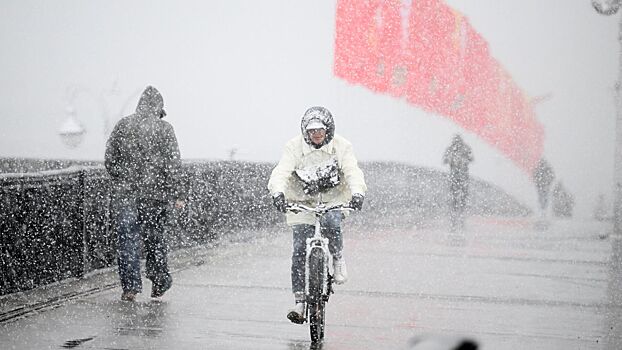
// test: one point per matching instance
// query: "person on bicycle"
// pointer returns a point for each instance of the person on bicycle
(317, 165)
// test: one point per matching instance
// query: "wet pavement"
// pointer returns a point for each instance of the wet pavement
(506, 283)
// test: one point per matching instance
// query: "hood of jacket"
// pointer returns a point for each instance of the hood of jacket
(150, 103)
(322, 115)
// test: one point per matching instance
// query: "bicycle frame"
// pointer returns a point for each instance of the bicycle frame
(318, 242)
(321, 243)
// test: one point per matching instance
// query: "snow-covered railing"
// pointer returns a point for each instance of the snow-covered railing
(53, 225)
(56, 224)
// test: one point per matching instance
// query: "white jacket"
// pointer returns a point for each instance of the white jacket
(297, 155)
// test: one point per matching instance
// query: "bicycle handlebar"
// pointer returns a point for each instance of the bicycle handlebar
(319, 209)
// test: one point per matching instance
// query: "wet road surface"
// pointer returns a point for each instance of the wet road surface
(502, 282)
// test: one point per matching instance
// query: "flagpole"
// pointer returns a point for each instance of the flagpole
(617, 223)
(610, 9)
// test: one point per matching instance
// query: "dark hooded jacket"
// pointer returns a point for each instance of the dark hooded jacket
(142, 155)
(458, 155)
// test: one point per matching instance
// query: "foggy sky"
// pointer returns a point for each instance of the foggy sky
(239, 74)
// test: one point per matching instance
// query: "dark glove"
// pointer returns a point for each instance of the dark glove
(356, 202)
(278, 199)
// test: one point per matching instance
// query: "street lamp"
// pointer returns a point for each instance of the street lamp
(610, 7)
(71, 132)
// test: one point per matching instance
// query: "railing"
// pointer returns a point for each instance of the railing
(56, 224)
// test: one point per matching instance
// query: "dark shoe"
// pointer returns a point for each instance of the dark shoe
(159, 288)
(128, 296)
(297, 313)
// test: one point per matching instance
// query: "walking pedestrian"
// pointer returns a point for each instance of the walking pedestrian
(458, 156)
(143, 161)
(543, 177)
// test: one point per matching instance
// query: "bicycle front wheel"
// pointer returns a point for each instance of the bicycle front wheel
(317, 321)
(316, 304)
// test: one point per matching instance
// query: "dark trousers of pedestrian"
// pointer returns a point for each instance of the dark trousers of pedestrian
(331, 228)
(141, 221)
(459, 194)
(458, 190)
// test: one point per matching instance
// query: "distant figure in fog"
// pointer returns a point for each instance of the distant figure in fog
(543, 176)
(458, 156)
(562, 201)
(142, 158)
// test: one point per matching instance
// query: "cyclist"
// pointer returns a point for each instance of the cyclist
(317, 164)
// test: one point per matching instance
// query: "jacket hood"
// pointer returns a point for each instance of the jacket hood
(150, 103)
(318, 114)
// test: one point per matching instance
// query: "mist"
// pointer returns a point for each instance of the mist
(236, 77)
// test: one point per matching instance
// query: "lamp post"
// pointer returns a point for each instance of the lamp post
(71, 132)
(607, 8)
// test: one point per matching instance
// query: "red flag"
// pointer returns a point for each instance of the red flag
(429, 53)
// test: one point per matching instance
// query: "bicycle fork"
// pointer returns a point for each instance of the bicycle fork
(317, 242)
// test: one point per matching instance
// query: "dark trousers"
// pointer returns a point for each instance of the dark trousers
(141, 220)
(459, 190)
(459, 193)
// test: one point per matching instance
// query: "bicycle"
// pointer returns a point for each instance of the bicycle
(318, 280)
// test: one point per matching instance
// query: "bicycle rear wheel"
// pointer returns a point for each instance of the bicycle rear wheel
(316, 304)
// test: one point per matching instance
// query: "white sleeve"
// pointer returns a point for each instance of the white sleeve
(283, 170)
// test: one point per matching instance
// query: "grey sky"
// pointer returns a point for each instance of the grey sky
(239, 74)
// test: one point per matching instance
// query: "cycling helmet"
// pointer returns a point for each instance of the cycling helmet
(316, 117)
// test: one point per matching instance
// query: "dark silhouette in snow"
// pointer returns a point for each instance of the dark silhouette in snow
(458, 156)
(563, 201)
(143, 160)
(543, 176)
